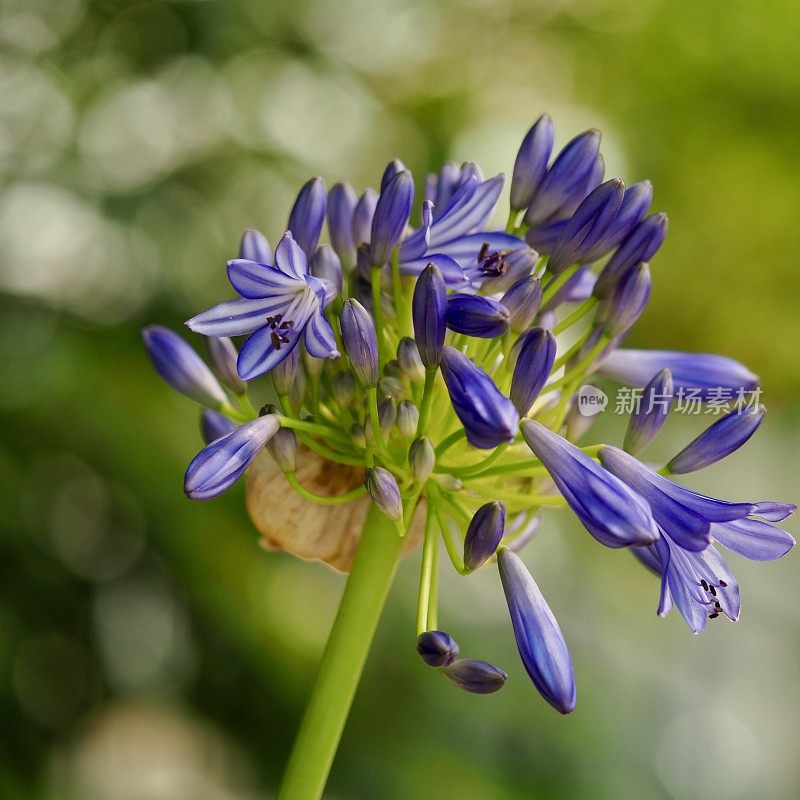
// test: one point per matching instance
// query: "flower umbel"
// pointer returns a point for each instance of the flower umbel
(427, 365)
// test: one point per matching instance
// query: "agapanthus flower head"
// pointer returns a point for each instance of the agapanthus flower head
(434, 366)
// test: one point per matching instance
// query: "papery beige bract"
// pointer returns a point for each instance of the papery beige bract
(290, 523)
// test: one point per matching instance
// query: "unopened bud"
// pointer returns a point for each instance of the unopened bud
(421, 459)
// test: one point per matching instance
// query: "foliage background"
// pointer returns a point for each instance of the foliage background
(149, 650)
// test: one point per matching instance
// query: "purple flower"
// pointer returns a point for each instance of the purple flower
(641, 244)
(700, 372)
(566, 182)
(585, 233)
(539, 639)
(530, 165)
(360, 341)
(391, 217)
(214, 425)
(180, 366)
(684, 515)
(342, 201)
(699, 582)
(393, 168)
(634, 206)
(608, 509)
(484, 534)
(437, 648)
(536, 352)
(222, 355)
(279, 303)
(476, 315)
(308, 215)
(428, 310)
(650, 414)
(488, 417)
(719, 440)
(255, 247)
(477, 677)
(454, 240)
(215, 468)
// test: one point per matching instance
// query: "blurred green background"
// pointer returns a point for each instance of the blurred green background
(149, 650)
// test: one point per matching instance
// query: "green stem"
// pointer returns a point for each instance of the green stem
(427, 399)
(343, 660)
(377, 311)
(428, 573)
(584, 308)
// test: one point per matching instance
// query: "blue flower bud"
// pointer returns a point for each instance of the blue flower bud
(222, 355)
(284, 374)
(428, 309)
(363, 215)
(536, 353)
(634, 206)
(344, 388)
(394, 167)
(607, 508)
(437, 648)
(587, 228)
(478, 677)
(387, 415)
(421, 459)
(407, 418)
(255, 247)
(649, 416)
(213, 425)
(619, 311)
(488, 417)
(701, 372)
(476, 315)
(384, 491)
(283, 448)
(391, 217)
(641, 244)
(530, 165)
(308, 215)
(522, 301)
(568, 175)
(484, 534)
(342, 201)
(539, 639)
(215, 468)
(180, 366)
(409, 359)
(719, 440)
(326, 266)
(360, 341)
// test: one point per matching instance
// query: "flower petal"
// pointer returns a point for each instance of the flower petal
(319, 338)
(236, 317)
(253, 280)
(290, 258)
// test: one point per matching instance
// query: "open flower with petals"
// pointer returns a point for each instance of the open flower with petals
(279, 304)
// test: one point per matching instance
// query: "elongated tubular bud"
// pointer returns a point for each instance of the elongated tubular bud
(428, 309)
(387, 415)
(283, 448)
(285, 373)
(180, 366)
(255, 247)
(214, 425)
(535, 355)
(391, 217)
(326, 266)
(360, 341)
(721, 439)
(484, 534)
(522, 301)
(409, 359)
(620, 311)
(407, 418)
(342, 201)
(475, 315)
(393, 168)
(363, 215)
(344, 388)
(530, 165)
(540, 642)
(308, 215)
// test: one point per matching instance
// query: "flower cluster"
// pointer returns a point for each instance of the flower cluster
(440, 359)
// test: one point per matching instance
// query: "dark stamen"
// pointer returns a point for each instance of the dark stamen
(713, 616)
(704, 585)
(712, 590)
(723, 584)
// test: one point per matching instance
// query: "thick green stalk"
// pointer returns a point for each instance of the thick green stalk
(343, 660)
